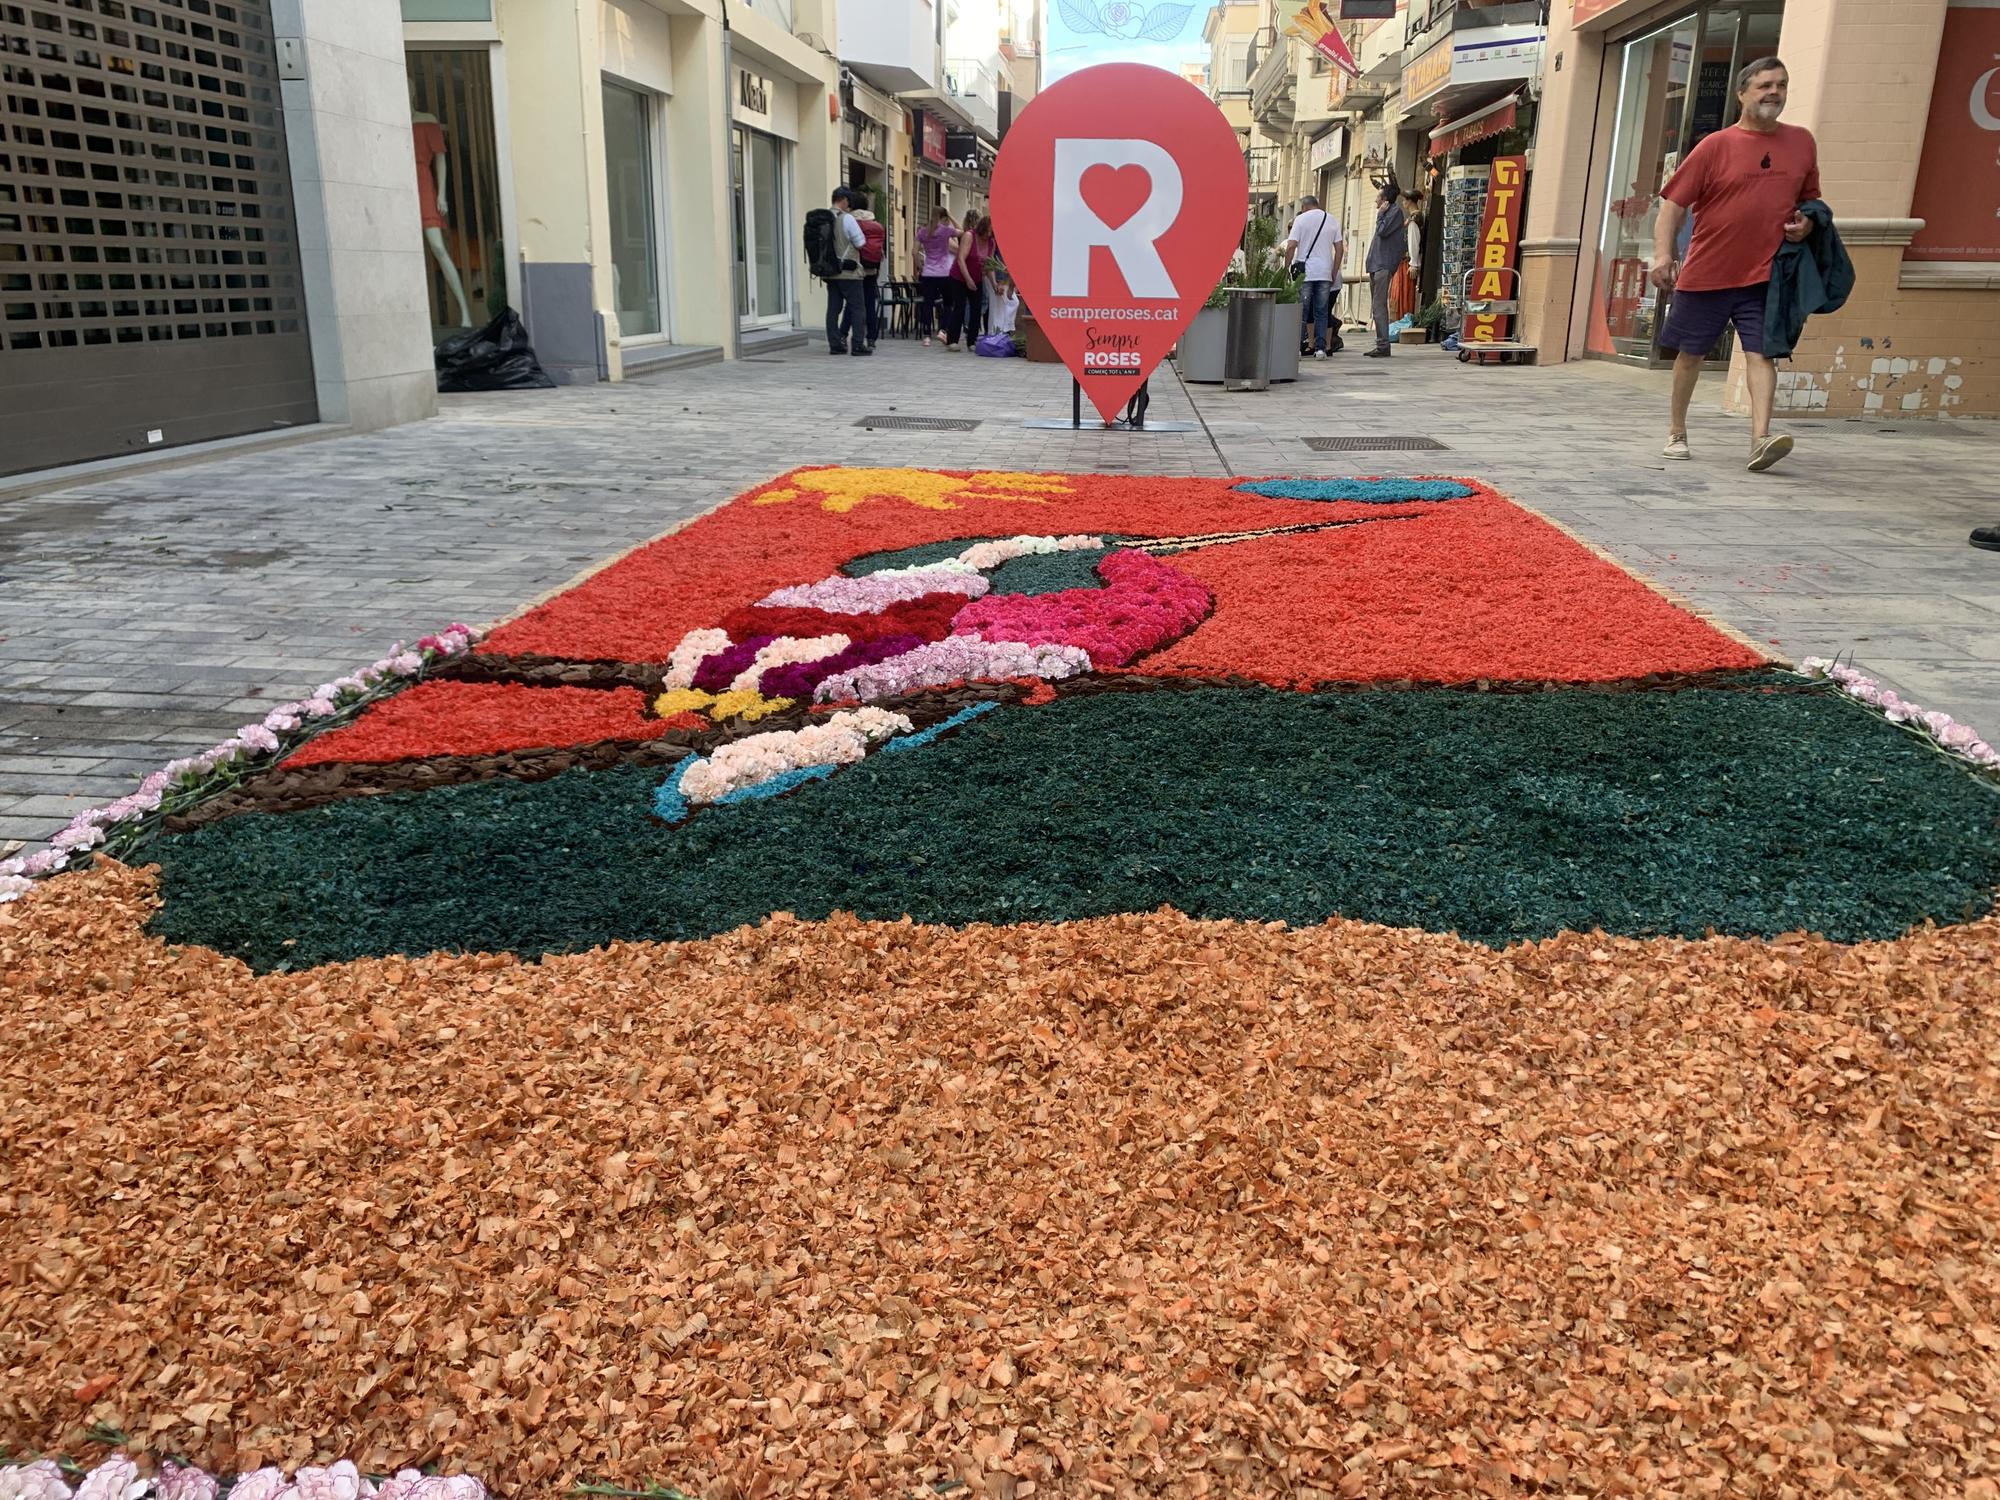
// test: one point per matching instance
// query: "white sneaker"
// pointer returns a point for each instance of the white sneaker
(1319, 354)
(1677, 447)
(1767, 451)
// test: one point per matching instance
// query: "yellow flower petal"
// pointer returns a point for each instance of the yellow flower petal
(841, 490)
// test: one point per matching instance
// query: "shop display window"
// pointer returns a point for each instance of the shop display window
(457, 181)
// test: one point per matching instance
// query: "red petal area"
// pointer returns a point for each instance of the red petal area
(927, 617)
(486, 718)
(1433, 592)
(1490, 592)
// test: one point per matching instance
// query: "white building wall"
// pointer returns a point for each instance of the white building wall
(361, 247)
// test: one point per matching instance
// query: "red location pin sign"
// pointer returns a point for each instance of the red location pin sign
(1119, 196)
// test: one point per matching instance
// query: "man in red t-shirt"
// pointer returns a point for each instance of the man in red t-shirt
(1744, 185)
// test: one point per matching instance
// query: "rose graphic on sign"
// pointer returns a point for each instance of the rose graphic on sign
(1118, 198)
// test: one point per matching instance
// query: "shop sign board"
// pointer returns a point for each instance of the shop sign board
(1328, 149)
(932, 145)
(753, 97)
(1500, 54)
(1367, 10)
(961, 150)
(1119, 196)
(1493, 54)
(1958, 179)
(1494, 256)
(1427, 73)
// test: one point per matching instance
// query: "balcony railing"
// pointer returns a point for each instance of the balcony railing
(1273, 84)
(1424, 14)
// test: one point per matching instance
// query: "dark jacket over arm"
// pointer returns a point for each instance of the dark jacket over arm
(1813, 276)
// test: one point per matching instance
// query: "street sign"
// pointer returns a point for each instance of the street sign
(1118, 199)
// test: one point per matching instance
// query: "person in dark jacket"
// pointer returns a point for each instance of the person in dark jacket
(1388, 248)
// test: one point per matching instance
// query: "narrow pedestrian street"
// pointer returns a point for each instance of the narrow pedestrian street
(147, 617)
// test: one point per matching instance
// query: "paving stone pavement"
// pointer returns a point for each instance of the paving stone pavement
(148, 617)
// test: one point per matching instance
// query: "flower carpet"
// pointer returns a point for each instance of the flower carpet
(1020, 984)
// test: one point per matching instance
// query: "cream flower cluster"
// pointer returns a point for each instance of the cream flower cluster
(841, 739)
(957, 658)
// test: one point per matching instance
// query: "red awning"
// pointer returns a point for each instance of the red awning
(1474, 127)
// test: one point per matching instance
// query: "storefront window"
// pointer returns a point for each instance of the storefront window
(1676, 85)
(447, 10)
(635, 241)
(457, 174)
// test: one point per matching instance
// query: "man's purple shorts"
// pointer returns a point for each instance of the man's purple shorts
(1695, 320)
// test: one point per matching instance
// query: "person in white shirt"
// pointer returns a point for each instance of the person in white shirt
(1314, 241)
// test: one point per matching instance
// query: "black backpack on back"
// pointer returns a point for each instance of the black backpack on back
(821, 254)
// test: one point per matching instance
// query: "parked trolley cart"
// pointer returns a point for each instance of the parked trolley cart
(1492, 351)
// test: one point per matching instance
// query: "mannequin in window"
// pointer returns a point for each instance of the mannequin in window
(433, 179)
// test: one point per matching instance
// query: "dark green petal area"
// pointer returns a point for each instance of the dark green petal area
(1499, 817)
(1050, 573)
(1043, 574)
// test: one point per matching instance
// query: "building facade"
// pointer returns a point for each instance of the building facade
(1904, 98)
(632, 174)
(943, 79)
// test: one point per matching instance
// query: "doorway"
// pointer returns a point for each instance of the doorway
(762, 198)
(630, 156)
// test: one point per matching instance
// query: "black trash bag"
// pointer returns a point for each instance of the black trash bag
(497, 357)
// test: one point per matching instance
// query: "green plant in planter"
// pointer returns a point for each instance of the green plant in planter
(1433, 315)
(1260, 266)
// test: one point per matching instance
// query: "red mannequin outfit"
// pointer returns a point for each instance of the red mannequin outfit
(430, 146)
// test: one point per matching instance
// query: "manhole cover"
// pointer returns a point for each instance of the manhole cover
(1371, 444)
(920, 424)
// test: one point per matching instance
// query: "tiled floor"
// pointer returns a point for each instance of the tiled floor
(146, 617)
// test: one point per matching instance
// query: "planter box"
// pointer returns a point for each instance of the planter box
(1201, 347)
(1285, 341)
(1200, 351)
(1040, 350)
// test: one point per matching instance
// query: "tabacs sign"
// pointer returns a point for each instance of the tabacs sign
(1493, 263)
(1120, 195)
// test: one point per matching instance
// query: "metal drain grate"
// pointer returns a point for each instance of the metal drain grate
(1371, 444)
(920, 424)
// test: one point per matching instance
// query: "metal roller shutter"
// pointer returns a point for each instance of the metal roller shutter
(149, 266)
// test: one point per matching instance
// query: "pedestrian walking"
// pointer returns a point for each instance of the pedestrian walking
(835, 246)
(1313, 248)
(1388, 247)
(1744, 185)
(937, 248)
(874, 246)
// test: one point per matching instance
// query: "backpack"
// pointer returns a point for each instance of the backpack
(874, 240)
(819, 237)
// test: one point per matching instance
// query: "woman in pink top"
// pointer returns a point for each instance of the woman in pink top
(937, 248)
(975, 249)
